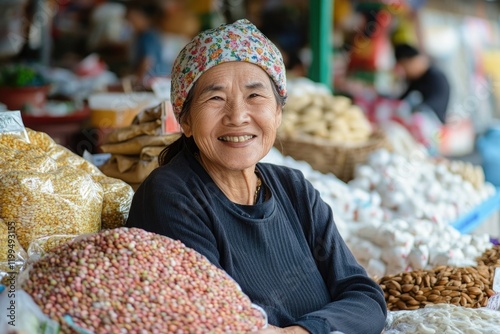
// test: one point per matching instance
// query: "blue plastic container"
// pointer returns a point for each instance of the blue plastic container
(489, 147)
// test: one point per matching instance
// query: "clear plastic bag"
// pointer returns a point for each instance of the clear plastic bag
(11, 123)
(12, 256)
(39, 247)
(19, 159)
(64, 201)
(117, 198)
(22, 315)
(494, 301)
(443, 318)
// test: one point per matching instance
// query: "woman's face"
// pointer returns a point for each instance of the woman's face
(234, 116)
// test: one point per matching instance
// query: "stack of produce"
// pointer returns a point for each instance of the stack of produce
(388, 239)
(445, 299)
(467, 170)
(312, 111)
(327, 131)
(463, 286)
(134, 149)
(130, 280)
(47, 190)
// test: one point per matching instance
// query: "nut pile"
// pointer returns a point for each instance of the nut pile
(133, 281)
(490, 257)
(462, 286)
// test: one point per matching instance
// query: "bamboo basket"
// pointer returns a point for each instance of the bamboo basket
(326, 156)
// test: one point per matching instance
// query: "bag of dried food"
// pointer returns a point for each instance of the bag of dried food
(63, 201)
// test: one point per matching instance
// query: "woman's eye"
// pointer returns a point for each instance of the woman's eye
(216, 98)
(254, 95)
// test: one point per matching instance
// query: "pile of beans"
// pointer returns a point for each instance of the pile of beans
(129, 280)
(464, 286)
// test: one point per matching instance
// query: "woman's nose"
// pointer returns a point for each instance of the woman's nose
(236, 113)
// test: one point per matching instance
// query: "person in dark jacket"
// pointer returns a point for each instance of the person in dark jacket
(430, 84)
(264, 224)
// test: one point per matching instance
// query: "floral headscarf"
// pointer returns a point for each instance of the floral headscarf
(239, 41)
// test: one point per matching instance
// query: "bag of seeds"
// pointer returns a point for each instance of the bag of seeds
(117, 198)
(29, 159)
(12, 256)
(11, 123)
(44, 155)
(64, 201)
(133, 281)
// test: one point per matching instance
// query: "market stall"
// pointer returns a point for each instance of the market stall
(413, 218)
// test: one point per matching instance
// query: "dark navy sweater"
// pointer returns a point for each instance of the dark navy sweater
(286, 252)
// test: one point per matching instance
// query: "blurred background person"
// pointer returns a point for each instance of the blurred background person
(428, 87)
(147, 48)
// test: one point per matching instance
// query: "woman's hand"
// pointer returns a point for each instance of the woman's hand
(288, 330)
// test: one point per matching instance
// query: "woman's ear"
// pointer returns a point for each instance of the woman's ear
(279, 116)
(186, 128)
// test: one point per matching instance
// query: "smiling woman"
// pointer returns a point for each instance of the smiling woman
(264, 224)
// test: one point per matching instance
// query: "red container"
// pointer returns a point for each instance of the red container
(24, 98)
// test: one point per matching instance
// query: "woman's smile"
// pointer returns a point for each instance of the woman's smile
(236, 139)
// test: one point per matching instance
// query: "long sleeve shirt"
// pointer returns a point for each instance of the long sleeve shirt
(435, 90)
(286, 252)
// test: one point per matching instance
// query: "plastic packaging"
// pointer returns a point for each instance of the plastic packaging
(65, 201)
(22, 315)
(11, 122)
(12, 256)
(117, 198)
(39, 247)
(443, 318)
(494, 301)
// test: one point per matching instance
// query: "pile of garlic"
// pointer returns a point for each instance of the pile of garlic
(312, 110)
(395, 214)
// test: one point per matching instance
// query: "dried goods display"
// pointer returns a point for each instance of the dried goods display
(42, 155)
(464, 286)
(64, 201)
(387, 238)
(135, 149)
(325, 116)
(12, 257)
(140, 282)
(443, 318)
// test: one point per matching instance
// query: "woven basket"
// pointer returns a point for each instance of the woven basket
(329, 157)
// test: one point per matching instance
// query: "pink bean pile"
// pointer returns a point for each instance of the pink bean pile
(127, 280)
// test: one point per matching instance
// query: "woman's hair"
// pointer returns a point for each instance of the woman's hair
(169, 152)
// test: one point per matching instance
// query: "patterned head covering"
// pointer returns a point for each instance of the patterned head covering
(239, 41)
